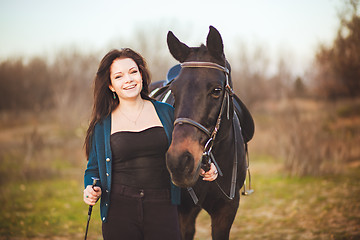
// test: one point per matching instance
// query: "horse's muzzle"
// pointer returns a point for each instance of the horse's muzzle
(183, 161)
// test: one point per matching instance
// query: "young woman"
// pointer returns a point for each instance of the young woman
(126, 143)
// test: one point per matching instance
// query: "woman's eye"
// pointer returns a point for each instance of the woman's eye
(117, 77)
(216, 92)
(133, 72)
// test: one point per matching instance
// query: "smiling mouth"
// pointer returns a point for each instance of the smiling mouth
(130, 87)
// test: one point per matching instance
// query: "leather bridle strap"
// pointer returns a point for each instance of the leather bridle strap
(214, 66)
(236, 129)
(193, 123)
(205, 65)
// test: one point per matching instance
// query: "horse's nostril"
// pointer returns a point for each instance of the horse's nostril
(186, 164)
(181, 164)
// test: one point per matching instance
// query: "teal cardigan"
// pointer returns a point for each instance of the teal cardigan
(100, 158)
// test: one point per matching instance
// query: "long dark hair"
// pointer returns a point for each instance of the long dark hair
(104, 102)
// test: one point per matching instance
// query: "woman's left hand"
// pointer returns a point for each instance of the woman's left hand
(210, 175)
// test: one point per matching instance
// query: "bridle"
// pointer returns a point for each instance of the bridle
(228, 92)
(207, 156)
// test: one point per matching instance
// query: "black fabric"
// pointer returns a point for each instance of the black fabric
(139, 214)
(139, 158)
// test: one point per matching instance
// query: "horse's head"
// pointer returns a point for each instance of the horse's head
(201, 98)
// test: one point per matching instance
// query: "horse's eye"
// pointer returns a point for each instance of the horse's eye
(216, 92)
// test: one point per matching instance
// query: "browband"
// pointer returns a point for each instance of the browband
(205, 65)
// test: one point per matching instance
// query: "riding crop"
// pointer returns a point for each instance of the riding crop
(90, 208)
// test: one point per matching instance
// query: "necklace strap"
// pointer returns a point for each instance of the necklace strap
(134, 121)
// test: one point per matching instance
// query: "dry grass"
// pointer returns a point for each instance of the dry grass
(295, 208)
(313, 138)
(42, 163)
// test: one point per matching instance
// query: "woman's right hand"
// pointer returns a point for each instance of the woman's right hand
(91, 195)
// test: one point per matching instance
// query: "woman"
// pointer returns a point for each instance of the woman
(126, 142)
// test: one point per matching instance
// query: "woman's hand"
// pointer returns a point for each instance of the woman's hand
(91, 195)
(210, 175)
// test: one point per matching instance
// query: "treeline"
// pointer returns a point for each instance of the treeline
(255, 81)
(40, 85)
(335, 73)
(25, 86)
(66, 80)
(337, 69)
(62, 84)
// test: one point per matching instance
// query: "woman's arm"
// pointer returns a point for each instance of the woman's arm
(91, 195)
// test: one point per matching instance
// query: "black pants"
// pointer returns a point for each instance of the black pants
(137, 214)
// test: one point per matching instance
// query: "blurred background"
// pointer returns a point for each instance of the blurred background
(296, 65)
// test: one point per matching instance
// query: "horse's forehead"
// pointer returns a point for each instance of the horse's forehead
(197, 78)
(202, 54)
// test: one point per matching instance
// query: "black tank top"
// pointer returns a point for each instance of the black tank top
(139, 158)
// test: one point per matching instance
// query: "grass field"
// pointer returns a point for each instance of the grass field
(280, 208)
(296, 208)
(42, 164)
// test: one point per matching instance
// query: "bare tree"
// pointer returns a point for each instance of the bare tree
(73, 75)
(25, 86)
(250, 72)
(338, 66)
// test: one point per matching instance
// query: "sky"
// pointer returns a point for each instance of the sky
(40, 27)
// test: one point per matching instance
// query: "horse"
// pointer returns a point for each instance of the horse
(207, 129)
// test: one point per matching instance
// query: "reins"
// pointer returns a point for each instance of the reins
(208, 157)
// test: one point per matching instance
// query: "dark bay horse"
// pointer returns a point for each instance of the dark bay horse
(206, 129)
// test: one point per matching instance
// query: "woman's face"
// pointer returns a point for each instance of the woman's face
(126, 79)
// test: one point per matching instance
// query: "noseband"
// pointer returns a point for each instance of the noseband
(228, 91)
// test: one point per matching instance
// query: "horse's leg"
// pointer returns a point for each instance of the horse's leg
(187, 217)
(222, 217)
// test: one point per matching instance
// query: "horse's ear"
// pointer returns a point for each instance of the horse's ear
(179, 50)
(214, 43)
